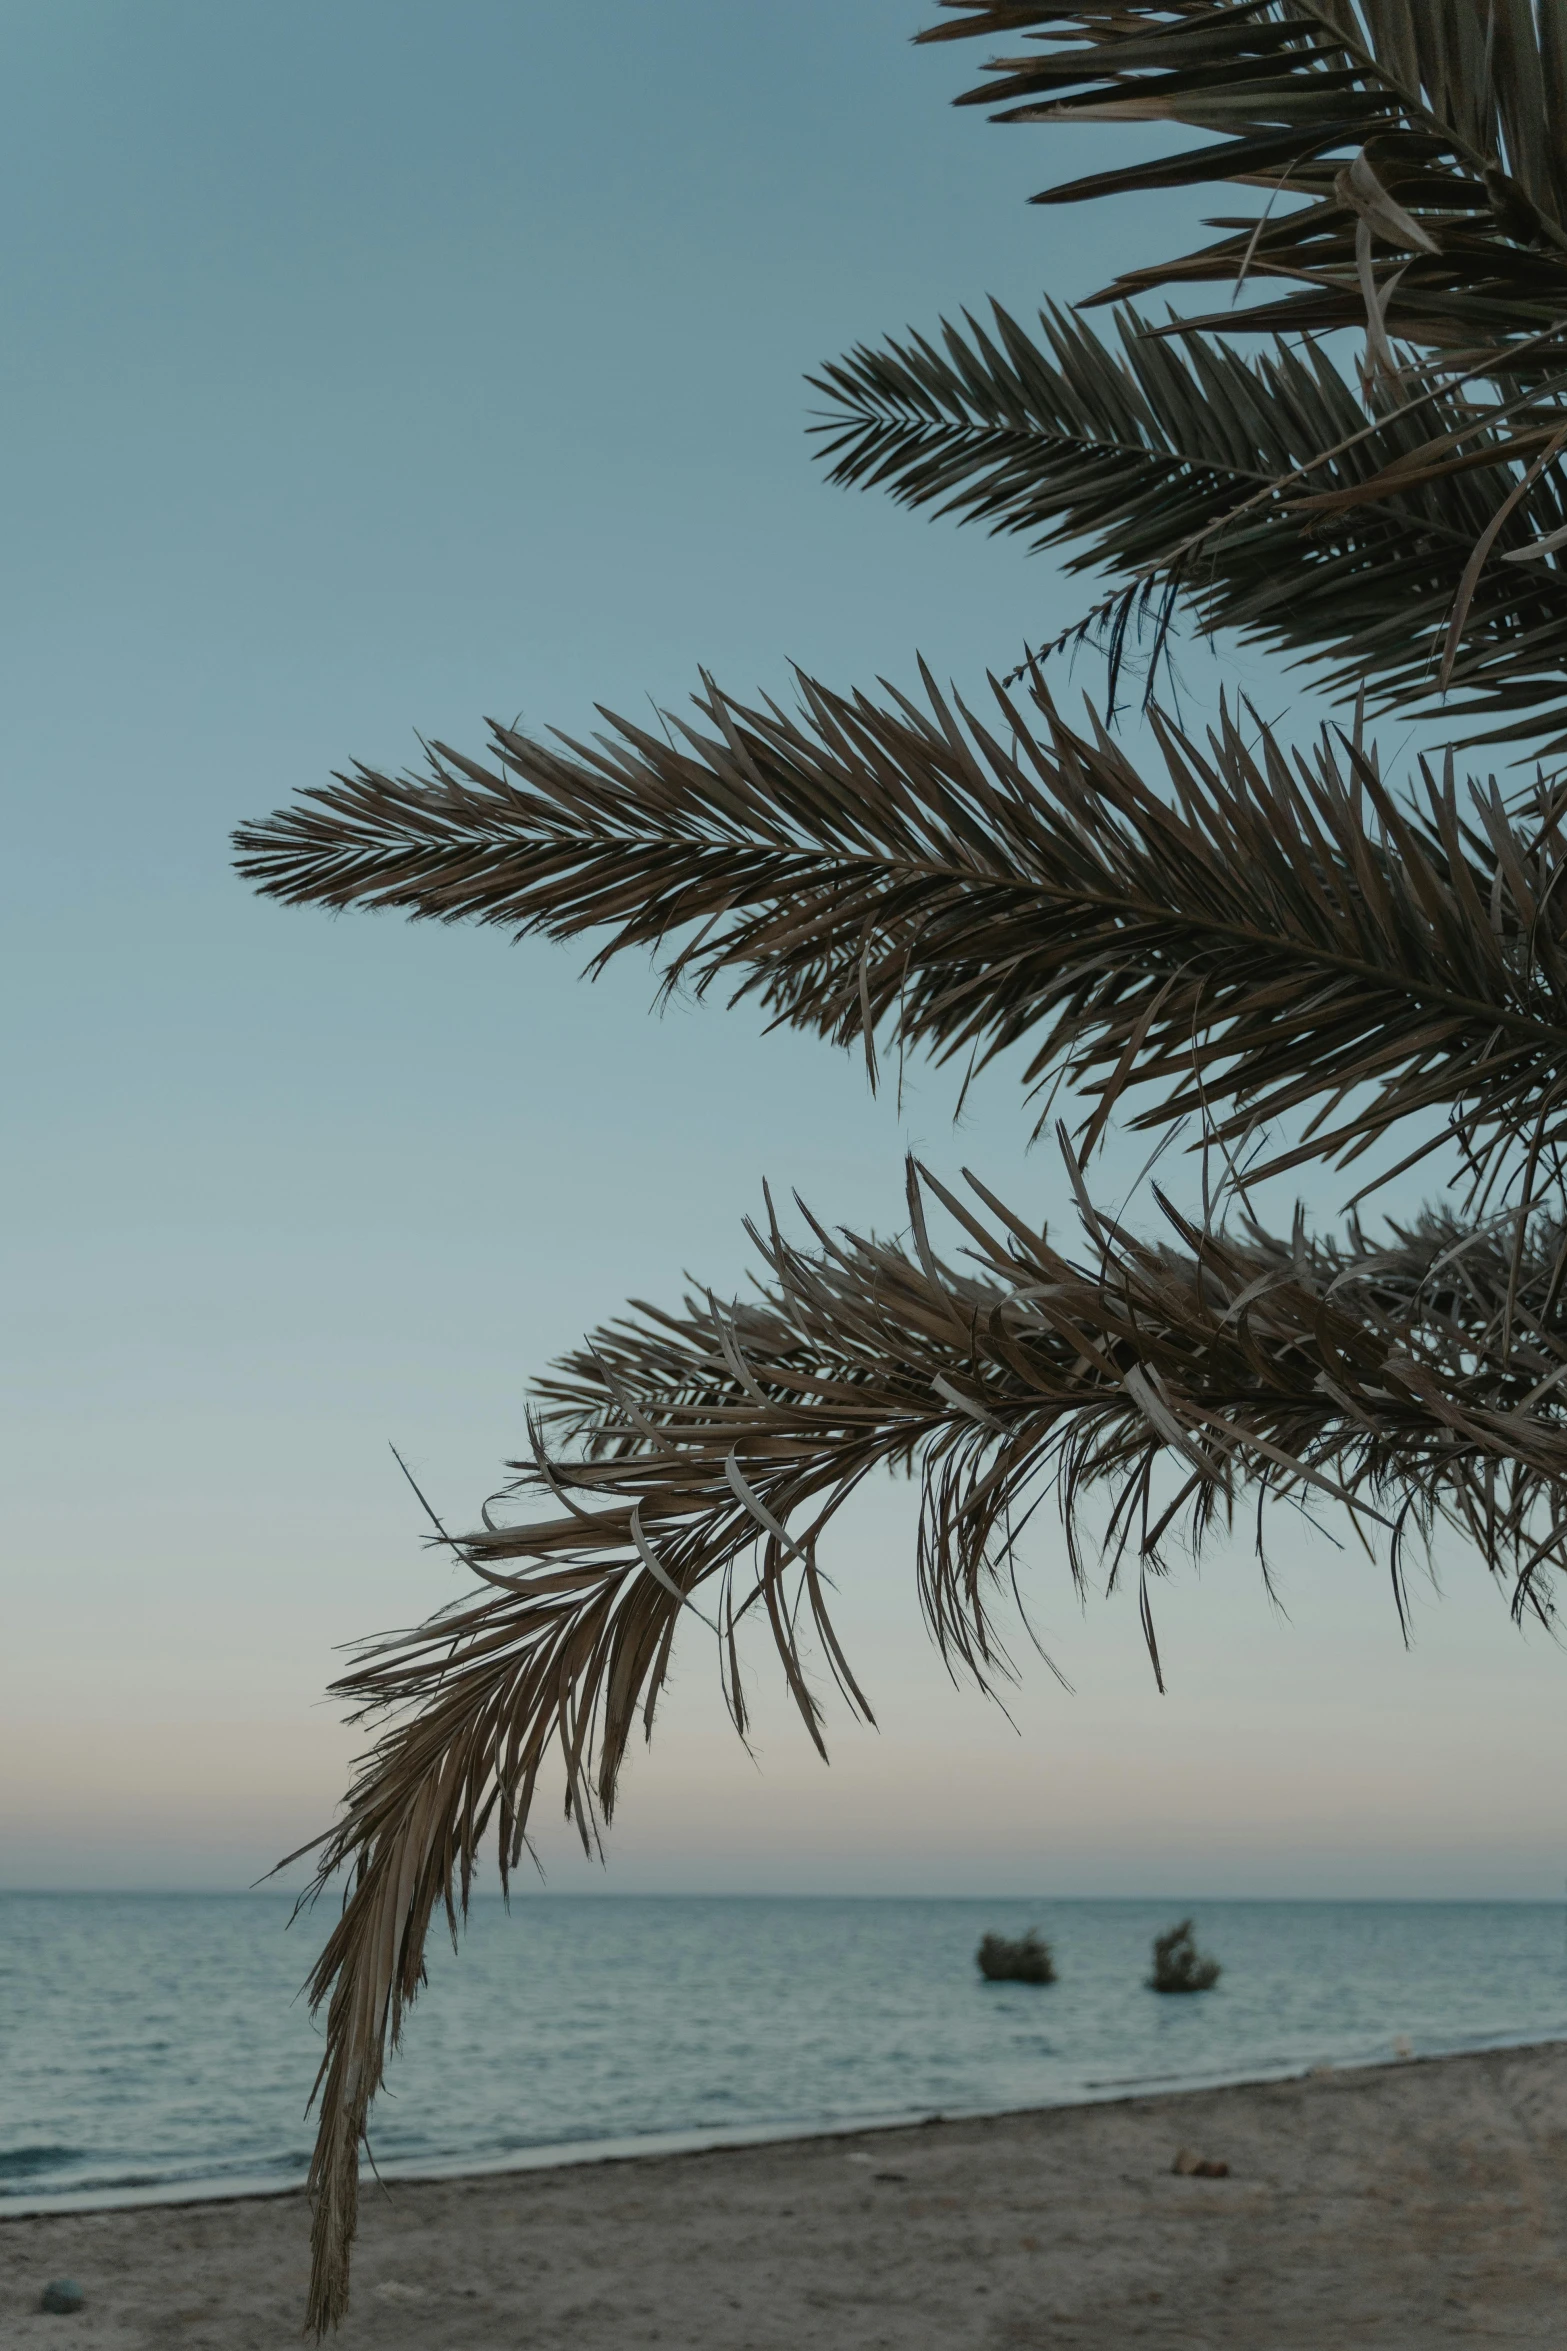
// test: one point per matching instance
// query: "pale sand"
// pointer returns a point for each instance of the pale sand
(1403, 2206)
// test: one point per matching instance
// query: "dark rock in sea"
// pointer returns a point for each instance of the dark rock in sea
(1188, 2166)
(62, 2294)
(1178, 1965)
(1027, 1961)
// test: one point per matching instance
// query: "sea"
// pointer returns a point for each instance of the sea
(156, 2047)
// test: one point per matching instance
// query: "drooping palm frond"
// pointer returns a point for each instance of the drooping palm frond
(1256, 490)
(1437, 127)
(1413, 1385)
(1254, 934)
(1260, 935)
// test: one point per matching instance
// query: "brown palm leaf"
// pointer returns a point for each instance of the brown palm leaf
(1262, 935)
(1253, 491)
(1247, 934)
(1413, 155)
(1454, 111)
(1412, 1386)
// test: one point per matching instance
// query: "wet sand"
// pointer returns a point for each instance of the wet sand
(1398, 2206)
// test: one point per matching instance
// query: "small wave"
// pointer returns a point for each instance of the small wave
(24, 2163)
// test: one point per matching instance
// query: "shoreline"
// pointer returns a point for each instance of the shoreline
(652, 2146)
(1386, 2206)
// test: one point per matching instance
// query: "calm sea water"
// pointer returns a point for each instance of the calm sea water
(154, 2046)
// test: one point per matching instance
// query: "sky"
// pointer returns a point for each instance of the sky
(370, 369)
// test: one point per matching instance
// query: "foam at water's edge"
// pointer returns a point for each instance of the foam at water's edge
(559, 2154)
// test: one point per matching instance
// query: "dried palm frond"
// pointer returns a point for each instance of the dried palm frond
(1263, 934)
(1436, 129)
(1254, 490)
(1412, 154)
(1253, 934)
(1413, 1385)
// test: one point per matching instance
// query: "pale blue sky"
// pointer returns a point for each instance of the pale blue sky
(369, 367)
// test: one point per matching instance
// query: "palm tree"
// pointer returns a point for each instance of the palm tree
(1250, 933)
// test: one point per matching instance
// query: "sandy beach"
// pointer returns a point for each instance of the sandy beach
(1397, 2206)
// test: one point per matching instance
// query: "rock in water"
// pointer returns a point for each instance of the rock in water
(1178, 1965)
(63, 2294)
(1026, 1962)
